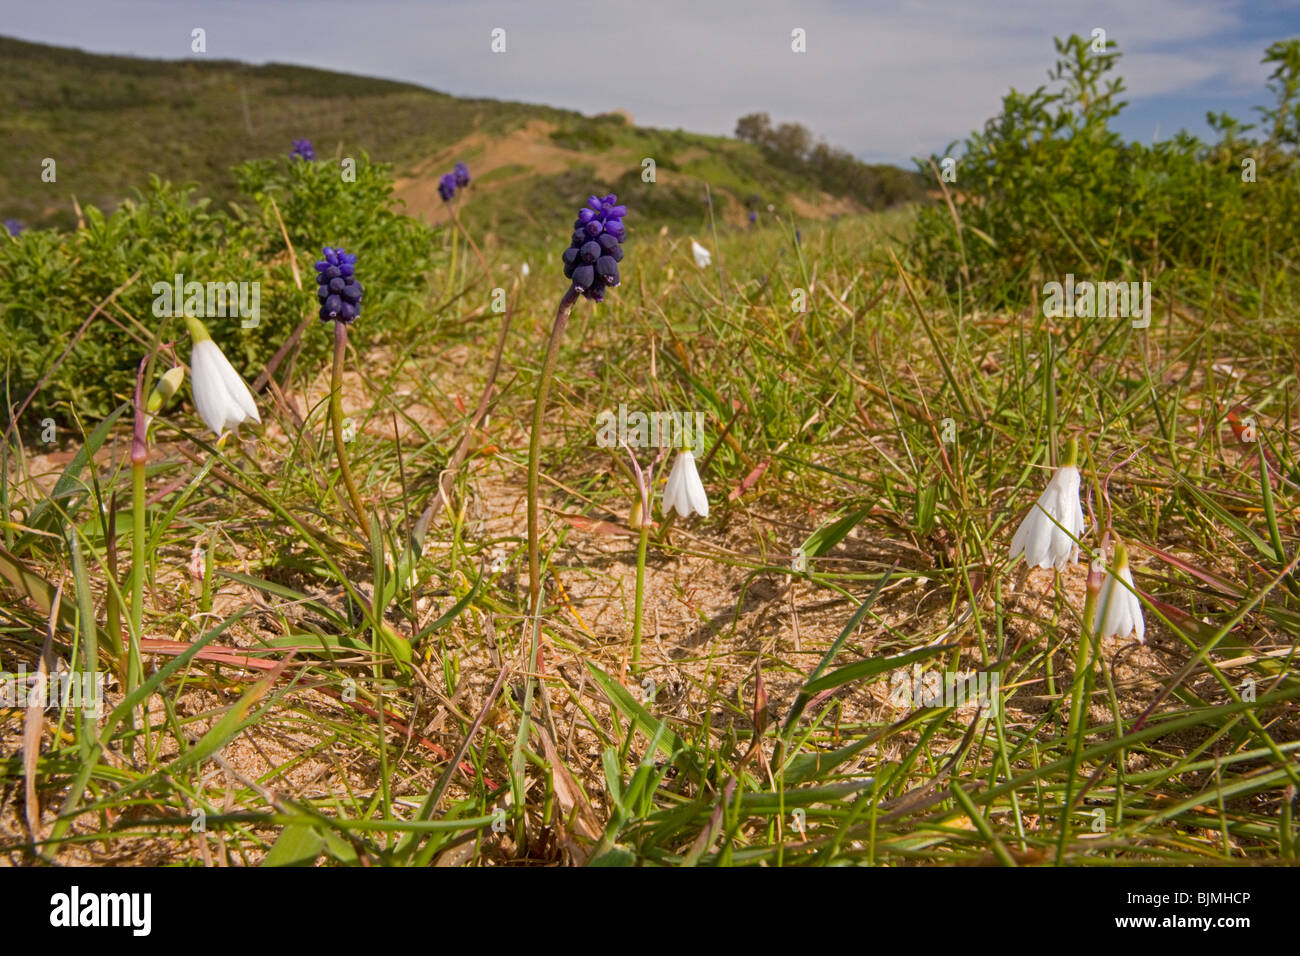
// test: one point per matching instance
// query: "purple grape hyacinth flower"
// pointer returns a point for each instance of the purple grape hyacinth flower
(461, 175)
(302, 149)
(338, 290)
(447, 187)
(14, 226)
(592, 258)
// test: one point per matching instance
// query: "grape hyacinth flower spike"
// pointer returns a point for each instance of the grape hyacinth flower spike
(596, 249)
(447, 187)
(302, 149)
(337, 287)
(460, 175)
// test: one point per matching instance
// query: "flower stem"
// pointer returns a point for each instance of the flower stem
(139, 457)
(1085, 660)
(132, 661)
(1049, 383)
(640, 590)
(535, 446)
(534, 553)
(336, 420)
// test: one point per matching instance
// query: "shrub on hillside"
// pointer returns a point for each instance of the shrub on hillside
(837, 171)
(50, 282)
(1049, 188)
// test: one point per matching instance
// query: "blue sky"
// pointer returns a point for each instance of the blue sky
(887, 80)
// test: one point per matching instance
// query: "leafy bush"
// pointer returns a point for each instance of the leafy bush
(320, 208)
(50, 282)
(1048, 188)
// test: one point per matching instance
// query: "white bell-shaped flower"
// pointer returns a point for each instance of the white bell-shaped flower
(684, 490)
(1048, 535)
(1118, 612)
(702, 256)
(222, 398)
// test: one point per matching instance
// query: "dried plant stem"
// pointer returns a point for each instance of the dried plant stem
(455, 216)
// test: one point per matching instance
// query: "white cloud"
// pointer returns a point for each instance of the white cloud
(887, 79)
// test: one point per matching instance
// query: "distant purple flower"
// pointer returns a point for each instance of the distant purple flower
(447, 187)
(753, 217)
(302, 149)
(337, 288)
(14, 226)
(591, 260)
(461, 174)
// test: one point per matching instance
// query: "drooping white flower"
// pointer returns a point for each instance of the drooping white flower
(702, 256)
(524, 270)
(1048, 535)
(222, 398)
(1118, 612)
(684, 491)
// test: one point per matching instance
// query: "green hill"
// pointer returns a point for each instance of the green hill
(110, 121)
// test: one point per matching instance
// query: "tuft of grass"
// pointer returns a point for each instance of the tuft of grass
(275, 719)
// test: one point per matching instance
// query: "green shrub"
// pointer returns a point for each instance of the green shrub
(1048, 188)
(50, 282)
(320, 208)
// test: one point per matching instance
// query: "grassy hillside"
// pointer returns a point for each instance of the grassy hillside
(111, 121)
(423, 610)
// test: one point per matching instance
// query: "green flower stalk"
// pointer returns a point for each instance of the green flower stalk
(139, 457)
(168, 384)
(640, 522)
(336, 425)
(340, 302)
(535, 445)
(1085, 654)
(591, 265)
